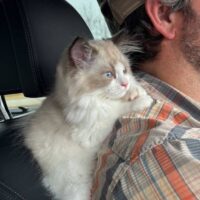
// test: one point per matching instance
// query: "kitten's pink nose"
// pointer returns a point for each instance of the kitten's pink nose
(124, 84)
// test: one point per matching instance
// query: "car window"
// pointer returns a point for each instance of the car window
(91, 14)
(19, 105)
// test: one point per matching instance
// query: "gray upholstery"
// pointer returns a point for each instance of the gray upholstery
(33, 34)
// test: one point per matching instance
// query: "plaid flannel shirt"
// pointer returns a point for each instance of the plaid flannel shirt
(153, 154)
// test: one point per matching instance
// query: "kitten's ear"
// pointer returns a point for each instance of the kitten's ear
(80, 53)
(126, 43)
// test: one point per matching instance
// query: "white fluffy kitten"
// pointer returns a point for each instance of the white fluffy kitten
(94, 86)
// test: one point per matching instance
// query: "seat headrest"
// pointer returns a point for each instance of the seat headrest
(33, 34)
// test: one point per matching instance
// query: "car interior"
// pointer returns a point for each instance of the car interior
(33, 35)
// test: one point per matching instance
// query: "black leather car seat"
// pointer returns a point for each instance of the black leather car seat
(33, 33)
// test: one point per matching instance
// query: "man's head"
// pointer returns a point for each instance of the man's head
(150, 22)
(169, 33)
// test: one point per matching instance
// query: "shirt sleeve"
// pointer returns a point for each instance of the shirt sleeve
(146, 161)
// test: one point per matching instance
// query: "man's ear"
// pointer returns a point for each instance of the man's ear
(162, 18)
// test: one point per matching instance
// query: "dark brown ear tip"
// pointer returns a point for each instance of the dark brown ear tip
(78, 39)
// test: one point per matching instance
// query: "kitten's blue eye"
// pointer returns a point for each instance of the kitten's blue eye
(108, 74)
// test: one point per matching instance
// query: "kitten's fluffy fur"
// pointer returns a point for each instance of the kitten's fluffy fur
(94, 86)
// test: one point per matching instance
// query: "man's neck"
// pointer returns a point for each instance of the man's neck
(177, 73)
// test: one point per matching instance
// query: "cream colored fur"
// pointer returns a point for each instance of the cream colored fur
(67, 131)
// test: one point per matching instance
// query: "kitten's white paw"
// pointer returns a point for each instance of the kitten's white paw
(147, 100)
(142, 102)
(141, 91)
(131, 95)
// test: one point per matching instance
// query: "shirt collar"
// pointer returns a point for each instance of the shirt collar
(164, 92)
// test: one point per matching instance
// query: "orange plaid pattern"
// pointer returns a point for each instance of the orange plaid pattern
(154, 154)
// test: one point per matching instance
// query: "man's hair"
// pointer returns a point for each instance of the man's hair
(139, 25)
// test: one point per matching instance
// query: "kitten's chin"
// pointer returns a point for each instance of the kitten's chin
(117, 96)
